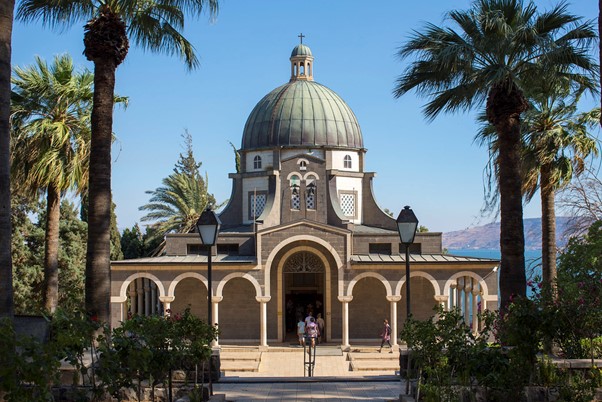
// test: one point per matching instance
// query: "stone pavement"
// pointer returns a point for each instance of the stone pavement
(281, 378)
(339, 391)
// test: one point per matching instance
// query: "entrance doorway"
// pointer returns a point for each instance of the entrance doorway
(303, 291)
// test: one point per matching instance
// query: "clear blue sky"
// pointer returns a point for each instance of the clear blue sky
(434, 167)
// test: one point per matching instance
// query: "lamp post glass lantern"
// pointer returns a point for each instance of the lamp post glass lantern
(407, 223)
(208, 228)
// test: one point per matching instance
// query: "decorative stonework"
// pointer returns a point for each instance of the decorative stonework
(303, 262)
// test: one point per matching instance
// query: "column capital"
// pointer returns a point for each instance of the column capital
(393, 298)
(345, 299)
(263, 299)
(217, 299)
(166, 299)
(441, 298)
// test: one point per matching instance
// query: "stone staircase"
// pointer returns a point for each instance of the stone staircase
(236, 360)
(369, 359)
(240, 359)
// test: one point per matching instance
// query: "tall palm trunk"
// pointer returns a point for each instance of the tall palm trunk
(98, 273)
(505, 103)
(548, 227)
(51, 250)
(6, 267)
(106, 45)
(600, 47)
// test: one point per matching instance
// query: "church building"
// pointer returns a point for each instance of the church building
(303, 231)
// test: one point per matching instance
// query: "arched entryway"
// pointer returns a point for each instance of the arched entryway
(304, 289)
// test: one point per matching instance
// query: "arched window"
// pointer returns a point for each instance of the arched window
(257, 162)
(347, 162)
(295, 196)
(302, 165)
(310, 199)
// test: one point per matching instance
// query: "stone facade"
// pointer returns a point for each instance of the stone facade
(303, 231)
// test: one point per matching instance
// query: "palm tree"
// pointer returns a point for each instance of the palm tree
(51, 109)
(6, 265)
(176, 206)
(555, 143)
(151, 24)
(486, 61)
(558, 143)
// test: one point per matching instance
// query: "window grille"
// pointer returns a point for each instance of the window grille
(348, 204)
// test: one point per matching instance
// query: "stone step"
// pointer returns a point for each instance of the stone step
(246, 356)
(230, 349)
(385, 355)
(239, 365)
(373, 365)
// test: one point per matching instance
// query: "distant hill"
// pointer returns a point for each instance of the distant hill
(488, 236)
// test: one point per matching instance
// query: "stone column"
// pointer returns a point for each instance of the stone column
(166, 300)
(467, 291)
(132, 294)
(153, 298)
(345, 300)
(215, 316)
(475, 309)
(393, 300)
(442, 301)
(147, 297)
(263, 320)
(140, 294)
(121, 302)
(452, 296)
(459, 298)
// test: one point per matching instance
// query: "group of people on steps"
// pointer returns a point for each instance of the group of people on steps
(311, 327)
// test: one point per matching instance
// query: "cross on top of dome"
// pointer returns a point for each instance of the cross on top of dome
(302, 62)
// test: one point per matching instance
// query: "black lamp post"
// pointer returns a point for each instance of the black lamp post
(208, 227)
(407, 223)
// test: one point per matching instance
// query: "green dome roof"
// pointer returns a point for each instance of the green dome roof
(302, 114)
(301, 50)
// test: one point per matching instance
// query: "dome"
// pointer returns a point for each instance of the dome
(302, 113)
(301, 50)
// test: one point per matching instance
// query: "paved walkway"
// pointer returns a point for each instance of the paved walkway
(303, 391)
(281, 378)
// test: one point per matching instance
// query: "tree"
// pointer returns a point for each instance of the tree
(582, 201)
(132, 242)
(153, 25)
(486, 61)
(51, 108)
(116, 253)
(6, 270)
(237, 155)
(558, 143)
(28, 256)
(176, 206)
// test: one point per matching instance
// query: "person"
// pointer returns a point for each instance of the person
(301, 331)
(321, 324)
(310, 315)
(312, 331)
(386, 336)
